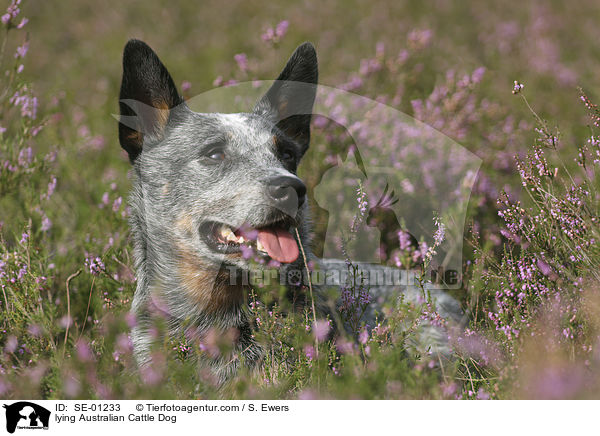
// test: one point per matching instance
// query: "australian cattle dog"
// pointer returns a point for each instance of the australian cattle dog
(207, 186)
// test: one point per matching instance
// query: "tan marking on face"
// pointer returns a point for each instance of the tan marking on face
(135, 136)
(162, 113)
(282, 109)
(185, 223)
(207, 288)
(166, 188)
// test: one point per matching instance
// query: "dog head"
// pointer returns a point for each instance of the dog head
(211, 185)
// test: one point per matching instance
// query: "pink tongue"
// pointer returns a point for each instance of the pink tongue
(280, 244)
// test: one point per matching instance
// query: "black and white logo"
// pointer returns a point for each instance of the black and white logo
(26, 415)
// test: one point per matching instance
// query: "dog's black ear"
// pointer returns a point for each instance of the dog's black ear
(289, 102)
(147, 96)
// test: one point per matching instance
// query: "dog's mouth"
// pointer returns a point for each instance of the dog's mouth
(273, 241)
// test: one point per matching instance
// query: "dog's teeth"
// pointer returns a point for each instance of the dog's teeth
(259, 246)
(227, 234)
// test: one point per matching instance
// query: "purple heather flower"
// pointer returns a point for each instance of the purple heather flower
(22, 50)
(97, 142)
(449, 389)
(65, 321)
(438, 236)
(249, 233)
(105, 200)
(131, 320)
(71, 387)
(282, 28)
(11, 12)
(185, 86)
(544, 267)
(51, 187)
(11, 344)
(27, 103)
(273, 263)
(321, 329)
(347, 298)
(477, 75)
(218, 81)
(117, 204)
(482, 395)
(304, 395)
(344, 347)
(25, 157)
(397, 262)
(404, 239)
(420, 38)
(95, 265)
(35, 330)
(268, 35)
(309, 351)
(274, 35)
(242, 61)
(247, 251)
(50, 157)
(517, 87)
(363, 336)
(46, 224)
(364, 297)
(84, 352)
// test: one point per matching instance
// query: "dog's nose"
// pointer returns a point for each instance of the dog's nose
(288, 192)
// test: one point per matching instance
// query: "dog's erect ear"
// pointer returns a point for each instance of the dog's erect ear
(289, 102)
(147, 96)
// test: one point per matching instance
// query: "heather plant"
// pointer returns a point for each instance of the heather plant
(25, 189)
(550, 259)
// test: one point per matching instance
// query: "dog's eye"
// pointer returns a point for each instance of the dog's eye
(287, 156)
(217, 156)
(214, 154)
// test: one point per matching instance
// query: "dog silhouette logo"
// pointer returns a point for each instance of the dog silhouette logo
(26, 415)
